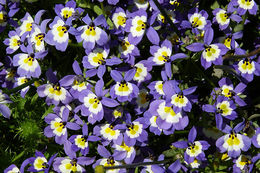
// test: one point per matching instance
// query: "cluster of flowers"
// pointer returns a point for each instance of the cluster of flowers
(160, 105)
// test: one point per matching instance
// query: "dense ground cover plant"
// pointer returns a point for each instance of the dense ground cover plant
(129, 86)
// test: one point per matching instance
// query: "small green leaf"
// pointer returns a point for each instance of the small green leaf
(169, 153)
(34, 98)
(214, 5)
(18, 156)
(98, 10)
(239, 27)
(136, 170)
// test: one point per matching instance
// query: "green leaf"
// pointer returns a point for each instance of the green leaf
(98, 10)
(214, 5)
(136, 170)
(170, 153)
(239, 27)
(34, 98)
(18, 156)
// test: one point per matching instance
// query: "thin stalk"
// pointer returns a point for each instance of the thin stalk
(255, 52)
(137, 164)
(21, 86)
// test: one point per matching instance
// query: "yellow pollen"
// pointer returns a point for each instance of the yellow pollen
(233, 140)
(121, 20)
(169, 110)
(67, 13)
(196, 22)
(133, 130)
(39, 164)
(123, 87)
(28, 27)
(90, 31)
(29, 61)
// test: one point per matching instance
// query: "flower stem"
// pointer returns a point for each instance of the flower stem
(20, 87)
(137, 164)
(255, 52)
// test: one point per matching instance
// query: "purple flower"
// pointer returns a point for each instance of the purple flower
(14, 42)
(137, 26)
(247, 68)
(212, 53)
(123, 90)
(58, 126)
(180, 99)
(127, 153)
(142, 71)
(194, 149)
(222, 108)
(166, 118)
(153, 168)
(77, 82)
(27, 22)
(97, 61)
(27, 62)
(4, 110)
(58, 36)
(162, 55)
(62, 164)
(92, 32)
(244, 163)
(135, 132)
(128, 51)
(80, 142)
(227, 89)
(109, 132)
(223, 17)
(67, 11)
(233, 142)
(20, 81)
(93, 103)
(243, 6)
(40, 163)
(6, 17)
(256, 138)
(37, 36)
(108, 159)
(197, 20)
(151, 122)
(54, 91)
(12, 168)
(119, 18)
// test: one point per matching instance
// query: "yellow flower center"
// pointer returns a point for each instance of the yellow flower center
(29, 61)
(164, 57)
(99, 58)
(141, 25)
(28, 27)
(169, 110)
(39, 38)
(233, 140)
(227, 42)
(90, 31)
(133, 129)
(62, 30)
(196, 22)
(247, 65)
(210, 51)
(121, 20)
(59, 126)
(123, 87)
